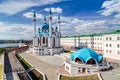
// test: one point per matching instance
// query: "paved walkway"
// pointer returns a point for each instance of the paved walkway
(112, 74)
(46, 64)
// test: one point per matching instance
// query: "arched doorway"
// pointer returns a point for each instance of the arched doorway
(53, 41)
(79, 61)
(91, 61)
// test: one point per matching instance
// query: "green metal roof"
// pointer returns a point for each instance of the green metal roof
(90, 35)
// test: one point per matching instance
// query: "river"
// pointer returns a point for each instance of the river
(9, 45)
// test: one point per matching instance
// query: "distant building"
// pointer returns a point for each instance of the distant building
(106, 44)
(47, 39)
(22, 44)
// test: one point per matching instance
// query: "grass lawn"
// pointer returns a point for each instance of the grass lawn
(1, 50)
(18, 56)
(91, 77)
(25, 64)
(70, 52)
(35, 75)
(0, 71)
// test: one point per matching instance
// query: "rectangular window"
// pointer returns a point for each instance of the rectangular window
(118, 38)
(110, 51)
(110, 38)
(106, 45)
(110, 45)
(106, 38)
(118, 45)
(118, 52)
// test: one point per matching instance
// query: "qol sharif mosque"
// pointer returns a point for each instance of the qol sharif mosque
(47, 40)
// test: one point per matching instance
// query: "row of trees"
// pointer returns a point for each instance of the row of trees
(1, 51)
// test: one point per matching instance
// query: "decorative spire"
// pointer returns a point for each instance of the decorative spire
(34, 15)
(44, 19)
(50, 11)
(38, 30)
(58, 16)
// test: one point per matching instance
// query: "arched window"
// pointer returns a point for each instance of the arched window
(91, 61)
(43, 39)
(53, 41)
(77, 60)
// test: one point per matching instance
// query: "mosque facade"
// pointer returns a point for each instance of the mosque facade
(46, 39)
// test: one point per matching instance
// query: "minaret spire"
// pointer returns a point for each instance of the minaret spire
(44, 19)
(50, 11)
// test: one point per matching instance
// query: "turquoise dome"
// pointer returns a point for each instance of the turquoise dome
(45, 27)
(86, 54)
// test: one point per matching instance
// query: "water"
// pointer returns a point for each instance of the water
(8, 45)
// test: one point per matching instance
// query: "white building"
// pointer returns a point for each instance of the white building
(106, 44)
(47, 39)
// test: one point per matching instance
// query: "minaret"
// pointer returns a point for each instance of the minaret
(59, 32)
(50, 33)
(34, 24)
(34, 32)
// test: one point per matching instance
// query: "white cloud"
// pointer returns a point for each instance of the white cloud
(30, 15)
(16, 31)
(11, 7)
(57, 10)
(111, 7)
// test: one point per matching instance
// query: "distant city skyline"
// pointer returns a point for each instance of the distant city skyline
(77, 16)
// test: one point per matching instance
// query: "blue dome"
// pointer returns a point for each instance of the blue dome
(45, 27)
(85, 55)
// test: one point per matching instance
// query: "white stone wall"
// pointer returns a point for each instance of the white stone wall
(110, 46)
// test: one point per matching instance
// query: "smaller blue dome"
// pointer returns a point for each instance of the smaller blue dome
(45, 27)
(86, 54)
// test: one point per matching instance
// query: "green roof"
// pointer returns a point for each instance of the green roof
(90, 35)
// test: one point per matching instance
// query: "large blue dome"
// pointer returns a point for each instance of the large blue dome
(85, 55)
(45, 27)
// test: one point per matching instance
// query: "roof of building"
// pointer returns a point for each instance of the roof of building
(93, 35)
(86, 54)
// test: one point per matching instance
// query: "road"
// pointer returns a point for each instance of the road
(11, 66)
(113, 74)
(46, 64)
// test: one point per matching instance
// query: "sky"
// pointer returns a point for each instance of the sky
(77, 16)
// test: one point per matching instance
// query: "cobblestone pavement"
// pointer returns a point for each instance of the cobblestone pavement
(113, 74)
(46, 64)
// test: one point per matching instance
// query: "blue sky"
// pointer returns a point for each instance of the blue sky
(77, 16)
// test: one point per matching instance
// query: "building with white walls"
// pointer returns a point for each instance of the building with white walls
(106, 44)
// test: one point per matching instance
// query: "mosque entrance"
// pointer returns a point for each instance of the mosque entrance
(83, 70)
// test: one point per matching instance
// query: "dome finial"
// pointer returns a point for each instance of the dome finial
(50, 11)
(45, 19)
